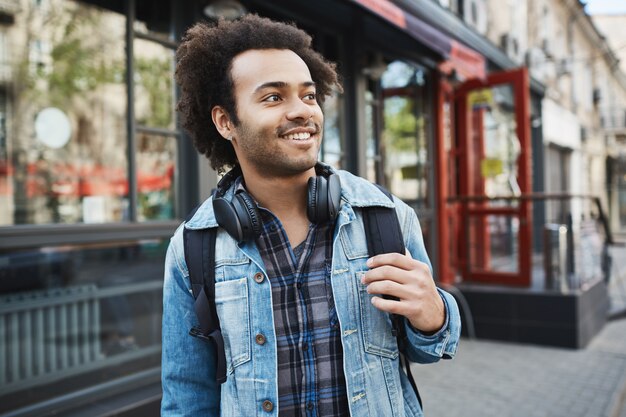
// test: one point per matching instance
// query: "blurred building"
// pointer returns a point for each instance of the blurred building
(612, 27)
(613, 117)
(438, 105)
(584, 109)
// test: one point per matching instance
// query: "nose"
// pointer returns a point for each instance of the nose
(299, 110)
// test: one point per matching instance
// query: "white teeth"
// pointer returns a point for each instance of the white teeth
(298, 136)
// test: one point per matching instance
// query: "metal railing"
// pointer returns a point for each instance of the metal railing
(52, 334)
(48, 332)
(570, 238)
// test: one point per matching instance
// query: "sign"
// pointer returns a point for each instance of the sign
(491, 167)
(53, 128)
(480, 99)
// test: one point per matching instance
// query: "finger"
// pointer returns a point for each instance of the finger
(389, 288)
(395, 259)
(387, 272)
(389, 306)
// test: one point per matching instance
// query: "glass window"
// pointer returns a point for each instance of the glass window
(155, 177)
(331, 149)
(154, 85)
(372, 142)
(64, 123)
(76, 316)
(398, 139)
(154, 110)
(404, 147)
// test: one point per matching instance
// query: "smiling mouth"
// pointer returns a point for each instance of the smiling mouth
(298, 136)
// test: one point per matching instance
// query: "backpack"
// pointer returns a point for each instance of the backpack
(384, 235)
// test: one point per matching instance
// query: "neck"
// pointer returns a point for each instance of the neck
(285, 196)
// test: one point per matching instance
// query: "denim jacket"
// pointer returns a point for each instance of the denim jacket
(375, 383)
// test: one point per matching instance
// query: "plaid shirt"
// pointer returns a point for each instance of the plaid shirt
(310, 356)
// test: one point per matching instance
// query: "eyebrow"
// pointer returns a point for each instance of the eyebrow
(280, 84)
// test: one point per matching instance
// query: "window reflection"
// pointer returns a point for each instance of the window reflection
(155, 177)
(331, 144)
(154, 90)
(372, 146)
(404, 145)
(68, 313)
(494, 123)
(64, 68)
(398, 148)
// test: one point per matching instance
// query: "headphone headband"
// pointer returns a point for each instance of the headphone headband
(227, 181)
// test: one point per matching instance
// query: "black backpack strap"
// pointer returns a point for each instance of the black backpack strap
(384, 235)
(382, 228)
(200, 259)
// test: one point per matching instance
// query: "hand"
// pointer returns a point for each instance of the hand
(411, 282)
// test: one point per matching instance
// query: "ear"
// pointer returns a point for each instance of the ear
(222, 122)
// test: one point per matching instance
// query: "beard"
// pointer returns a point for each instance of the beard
(265, 149)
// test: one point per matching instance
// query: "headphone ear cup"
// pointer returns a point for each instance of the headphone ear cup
(240, 218)
(227, 218)
(322, 200)
(317, 200)
(311, 198)
(334, 195)
(248, 215)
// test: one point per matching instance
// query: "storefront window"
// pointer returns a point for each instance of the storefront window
(154, 88)
(81, 302)
(155, 158)
(331, 144)
(76, 316)
(64, 119)
(371, 138)
(398, 140)
(404, 147)
(155, 117)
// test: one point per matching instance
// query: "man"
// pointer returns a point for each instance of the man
(303, 332)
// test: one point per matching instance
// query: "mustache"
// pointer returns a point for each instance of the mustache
(293, 125)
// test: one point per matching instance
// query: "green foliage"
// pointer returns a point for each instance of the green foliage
(401, 125)
(76, 69)
(155, 76)
(79, 63)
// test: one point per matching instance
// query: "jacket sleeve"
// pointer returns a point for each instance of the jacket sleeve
(424, 348)
(187, 363)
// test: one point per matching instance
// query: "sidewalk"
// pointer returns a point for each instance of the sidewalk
(497, 379)
(509, 380)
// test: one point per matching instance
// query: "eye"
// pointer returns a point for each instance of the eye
(272, 98)
(310, 96)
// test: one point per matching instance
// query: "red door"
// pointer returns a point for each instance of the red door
(484, 172)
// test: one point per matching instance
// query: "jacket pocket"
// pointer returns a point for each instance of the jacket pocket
(376, 328)
(231, 300)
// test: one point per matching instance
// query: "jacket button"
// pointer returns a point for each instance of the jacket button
(268, 406)
(260, 339)
(259, 277)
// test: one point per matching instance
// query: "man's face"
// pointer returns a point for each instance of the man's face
(280, 127)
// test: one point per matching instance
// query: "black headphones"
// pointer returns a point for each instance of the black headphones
(241, 219)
